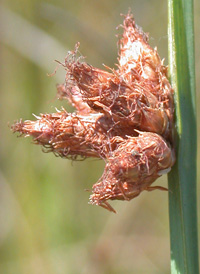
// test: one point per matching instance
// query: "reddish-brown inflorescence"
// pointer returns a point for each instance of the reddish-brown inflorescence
(124, 116)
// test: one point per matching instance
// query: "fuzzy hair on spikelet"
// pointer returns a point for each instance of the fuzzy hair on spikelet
(123, 115)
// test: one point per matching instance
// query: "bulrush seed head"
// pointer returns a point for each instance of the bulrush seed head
(123, 115)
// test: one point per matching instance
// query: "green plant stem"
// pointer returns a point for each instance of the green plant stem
(182, 178)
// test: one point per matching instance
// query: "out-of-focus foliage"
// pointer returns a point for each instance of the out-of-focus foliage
(46, 225)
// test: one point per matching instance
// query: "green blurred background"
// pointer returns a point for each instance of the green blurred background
(46, 224)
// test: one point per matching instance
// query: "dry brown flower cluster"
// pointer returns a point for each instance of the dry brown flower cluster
(124, 116)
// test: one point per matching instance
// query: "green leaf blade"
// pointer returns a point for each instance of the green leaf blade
(182, 179)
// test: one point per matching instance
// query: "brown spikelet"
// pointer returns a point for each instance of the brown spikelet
(134, 165)
(68, 134)
(123, 115)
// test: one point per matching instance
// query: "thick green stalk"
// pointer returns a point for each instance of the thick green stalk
(182, 179)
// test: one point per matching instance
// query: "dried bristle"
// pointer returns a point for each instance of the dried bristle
(123, 115)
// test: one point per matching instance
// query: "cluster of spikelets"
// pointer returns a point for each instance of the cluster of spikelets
(124, 116)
